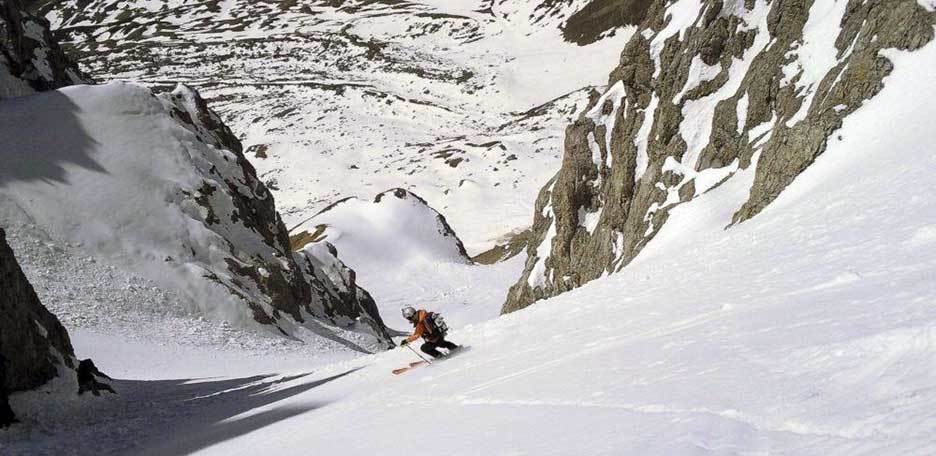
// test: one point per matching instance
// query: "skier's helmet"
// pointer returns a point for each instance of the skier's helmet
(409, 313)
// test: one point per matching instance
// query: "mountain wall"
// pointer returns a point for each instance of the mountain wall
(702, 90)
(34, 346)
(30, 59)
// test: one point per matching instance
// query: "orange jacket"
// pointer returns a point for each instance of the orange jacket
(421, 328)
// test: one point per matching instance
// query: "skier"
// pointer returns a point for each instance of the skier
(424, 326)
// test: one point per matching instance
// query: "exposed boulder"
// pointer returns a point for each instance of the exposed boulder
(698, 95)
(30, 59)
(88, 375)
(34, 346)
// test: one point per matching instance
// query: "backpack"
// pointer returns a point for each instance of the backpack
(436, 323)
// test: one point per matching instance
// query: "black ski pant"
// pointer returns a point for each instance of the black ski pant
(431, 347)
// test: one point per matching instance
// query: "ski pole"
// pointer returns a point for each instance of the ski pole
(417, 354)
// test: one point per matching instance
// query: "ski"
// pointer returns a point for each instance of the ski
(411, 366)
(416, 364)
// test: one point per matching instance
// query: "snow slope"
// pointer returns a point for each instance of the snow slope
(406, 254)
(462, 102)
(809, 329)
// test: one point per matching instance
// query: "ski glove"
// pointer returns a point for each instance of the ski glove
(404, 342)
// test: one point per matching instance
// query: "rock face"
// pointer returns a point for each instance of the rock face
(338, 298)
(316, 284)
(603, 16)
(699, 93)
(30, 59)
(238, 206)
(34, 346)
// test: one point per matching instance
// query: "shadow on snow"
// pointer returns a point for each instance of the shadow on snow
(173, 416)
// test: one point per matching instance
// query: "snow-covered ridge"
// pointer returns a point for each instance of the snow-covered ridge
(703, 90)
(157, 185)
(394, 229)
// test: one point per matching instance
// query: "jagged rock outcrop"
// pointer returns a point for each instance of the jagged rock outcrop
(30, 59)
(236, 203)
(340, 299)
(296, 284)
(34, 346)
(700, 93)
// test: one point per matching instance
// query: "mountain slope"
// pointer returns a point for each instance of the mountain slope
(805, 330)
(704, 90)
(156, 185)
(461, 102)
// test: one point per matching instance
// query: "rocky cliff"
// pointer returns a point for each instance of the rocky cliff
(312, 284)
(30, 59)
(34, 346)
(702, 90)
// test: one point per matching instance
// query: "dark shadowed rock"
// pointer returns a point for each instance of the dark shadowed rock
(600, 16)
(34, 346)
(30, 59)
(88, 375)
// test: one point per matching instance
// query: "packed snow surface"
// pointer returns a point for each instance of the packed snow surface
(809, 329)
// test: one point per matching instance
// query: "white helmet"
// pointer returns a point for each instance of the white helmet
(409, 312)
